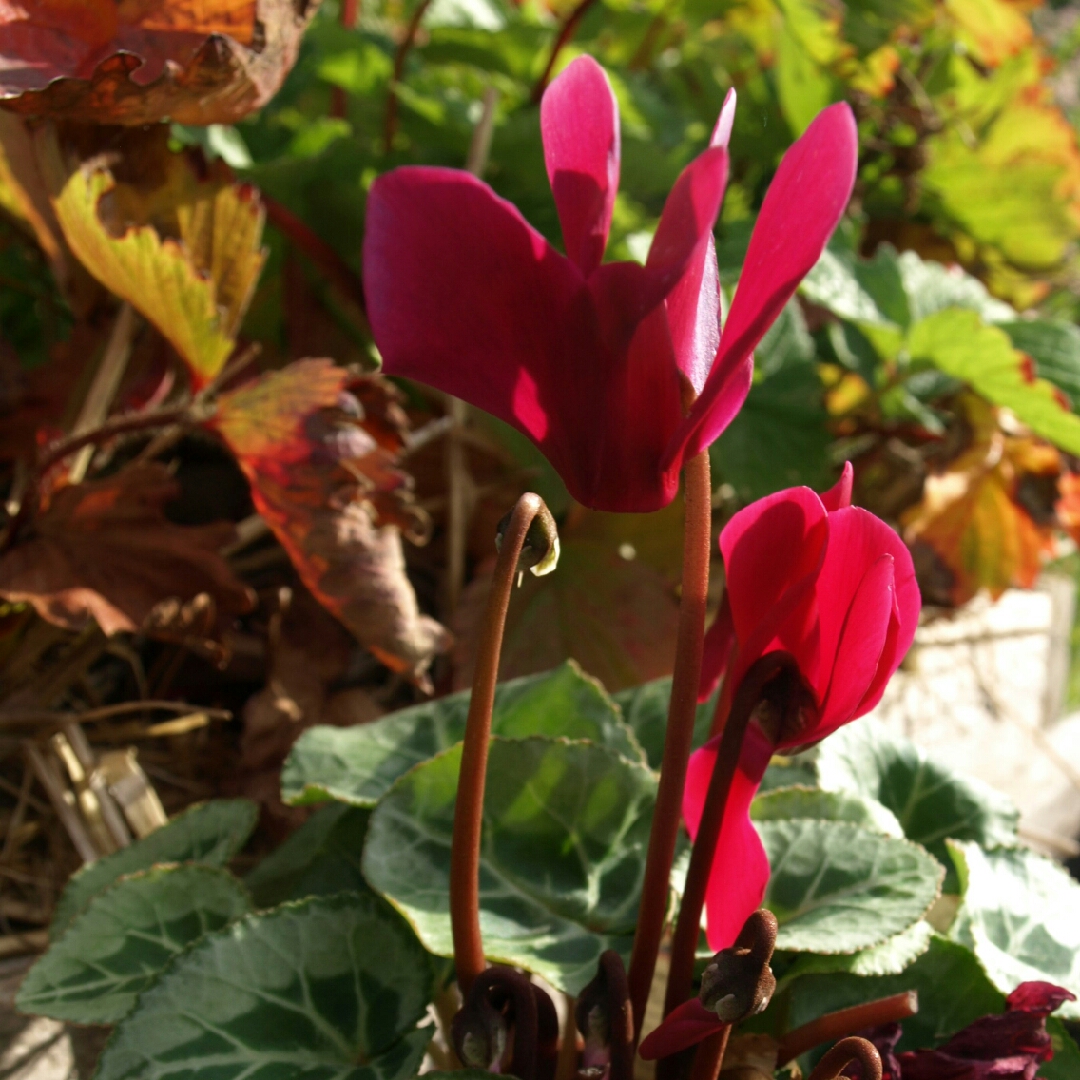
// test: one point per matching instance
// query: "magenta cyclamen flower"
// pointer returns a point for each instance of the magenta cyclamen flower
(590, 360)
(834, 586)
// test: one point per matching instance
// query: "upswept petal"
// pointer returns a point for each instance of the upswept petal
(579, 124)
(767, 546)
(858, 653)
(839, 495)
(857, 539)
(802, 207)
(740, 868)
(683, 1027)
(694, 305)
(719, 641)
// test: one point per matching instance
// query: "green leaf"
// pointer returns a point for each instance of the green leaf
(1019, 916)
(932, 287)
(119, 945)
(953, 992)
(799, 801)
(359, 764)
(645, 709)
(1054, 345)
(1065, 1064)
(562, 860)
(858, 290)
(209, 833)
(836, 888)
(321, 858)
(891, 957)
(326, 989)
(960, 344)
(931, 801)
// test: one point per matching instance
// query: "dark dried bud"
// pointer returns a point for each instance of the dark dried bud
(540, 553)
(605, 1018)
(739, 982)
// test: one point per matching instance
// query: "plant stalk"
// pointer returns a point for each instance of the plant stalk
(837, 1025)
(682, 710)
(710, 1056)
(832, 1065)
(688, 927)
(469, 959)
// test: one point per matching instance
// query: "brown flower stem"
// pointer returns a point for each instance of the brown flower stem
(565, 35)
(839, 1024)
(682, 710)
(403, 50)
(831, 1066)
(339, 100)
(710, 1055)
(468, 810)
(688, 926)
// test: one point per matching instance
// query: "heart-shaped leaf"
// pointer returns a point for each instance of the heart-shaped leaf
(645, 709)
(836, 888)
(358, 764)
(891, 957)
(1020, 915)
(566, 825)
(321, 858)
(326, 989)
(930, 800)
(119, 945)
(209, 833)
(799, 801)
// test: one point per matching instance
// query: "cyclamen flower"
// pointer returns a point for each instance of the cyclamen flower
(834, 586)
(590, 361)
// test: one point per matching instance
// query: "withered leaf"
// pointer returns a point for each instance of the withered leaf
(319, 479)
(141, 61)
(105, 550)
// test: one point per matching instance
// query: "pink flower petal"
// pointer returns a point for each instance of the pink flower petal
(579, 123)
(767, 546)
(802, 207)
(719, 641)
(858, 653)
(839, 495)
(683, 1027)
(740, 869)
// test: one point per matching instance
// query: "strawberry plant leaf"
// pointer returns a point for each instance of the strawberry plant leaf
(329, 988)
(113, 950)
(208, 833)
(566, 825)
(359, 764)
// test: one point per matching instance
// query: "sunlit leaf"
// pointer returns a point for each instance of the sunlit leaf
(1018, 915)
(358, 764)
(792, 803)
(566, 825)
(208, 833)
(837, 888)
(992, 29)
(325, 989)
(119, 945)
(892, 956)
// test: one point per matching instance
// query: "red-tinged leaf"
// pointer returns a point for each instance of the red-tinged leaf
(610, 604)
(191, 61)
(319, 479)
(104, 550)
(993, 30)
(970, 532)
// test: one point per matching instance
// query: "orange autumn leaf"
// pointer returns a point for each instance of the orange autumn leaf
(105, 550)
(140, 61)
(970, 532)
(326, 488)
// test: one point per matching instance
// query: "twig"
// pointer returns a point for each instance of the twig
(682, 710)
(332, 265)
(104, 386)
(59, 796)
(107, 712)
(21, 944)
(839, 1024)
(339, 100)
(566, 34)
(480, 146)
(403, 50)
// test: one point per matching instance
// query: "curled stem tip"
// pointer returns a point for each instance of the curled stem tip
(832, 1065)
(526, 535)
(739, 983)
(605, 1019)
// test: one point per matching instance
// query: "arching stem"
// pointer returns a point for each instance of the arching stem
(831, 1066)
(529, 522)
